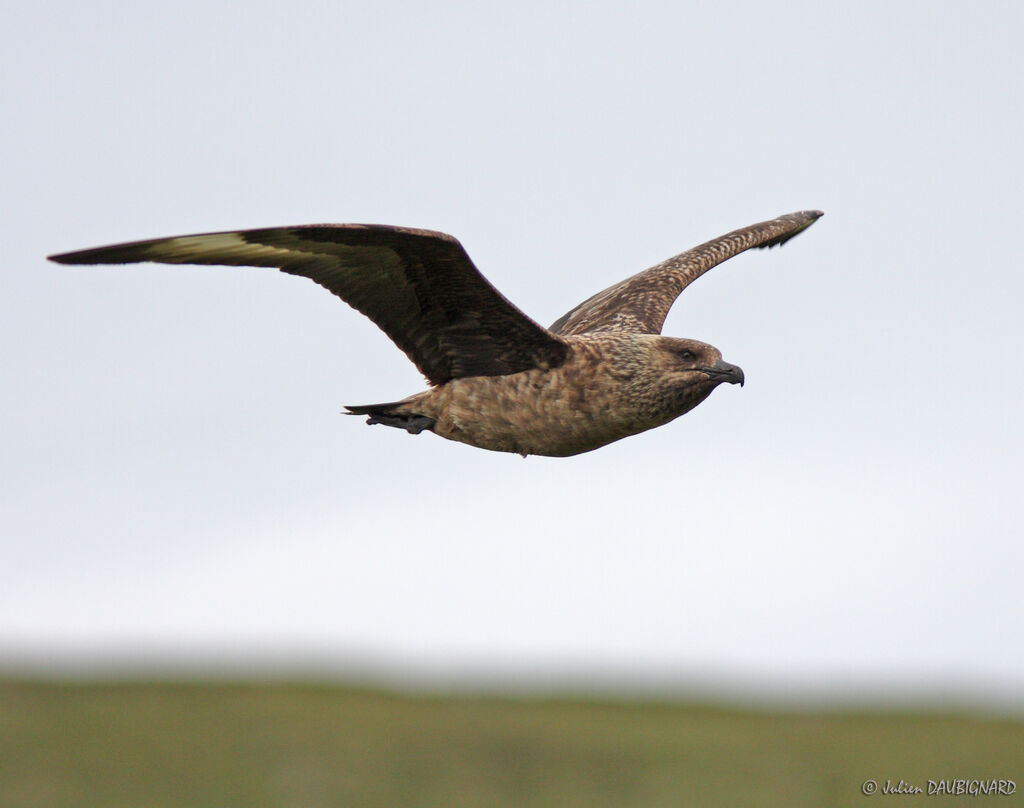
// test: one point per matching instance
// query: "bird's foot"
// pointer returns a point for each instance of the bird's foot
(413, 424)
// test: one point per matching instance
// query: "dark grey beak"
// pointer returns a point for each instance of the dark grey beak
(724, 372)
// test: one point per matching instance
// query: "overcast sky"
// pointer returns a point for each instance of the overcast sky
(177, 481)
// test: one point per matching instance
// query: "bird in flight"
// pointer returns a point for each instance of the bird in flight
(498, 380)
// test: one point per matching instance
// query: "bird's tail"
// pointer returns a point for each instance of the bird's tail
(392, 414)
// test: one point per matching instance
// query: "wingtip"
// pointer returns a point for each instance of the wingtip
(810, 217)
(795, 223)
(807, 215)
(128, 253)
(79, 257)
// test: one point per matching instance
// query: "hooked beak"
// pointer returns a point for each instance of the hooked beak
(724, 372)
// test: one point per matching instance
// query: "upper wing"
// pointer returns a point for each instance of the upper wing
(419, 286)
(640, 304)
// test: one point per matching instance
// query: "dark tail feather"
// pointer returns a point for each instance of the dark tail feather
(370, 409)
(385, 414)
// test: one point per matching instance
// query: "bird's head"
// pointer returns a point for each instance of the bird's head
(681, 373)
(694, 362)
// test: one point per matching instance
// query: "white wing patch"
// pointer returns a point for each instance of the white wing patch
(213, 246)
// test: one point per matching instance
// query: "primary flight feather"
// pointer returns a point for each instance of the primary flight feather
(498, 379)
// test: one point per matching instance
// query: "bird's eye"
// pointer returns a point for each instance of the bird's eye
(686, 356)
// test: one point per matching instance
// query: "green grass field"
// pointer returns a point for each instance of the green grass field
(151, 745)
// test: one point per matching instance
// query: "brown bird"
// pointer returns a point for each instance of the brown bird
(498, 380)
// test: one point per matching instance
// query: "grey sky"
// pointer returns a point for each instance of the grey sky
(176, 478)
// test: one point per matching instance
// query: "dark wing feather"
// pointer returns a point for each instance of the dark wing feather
(640, 304)
(419, 286)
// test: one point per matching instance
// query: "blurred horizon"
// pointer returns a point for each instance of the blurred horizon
(454, 677)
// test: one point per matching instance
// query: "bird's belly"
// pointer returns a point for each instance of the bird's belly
(534, 412)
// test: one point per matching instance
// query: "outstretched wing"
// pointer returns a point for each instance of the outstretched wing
(640, 304)
(419, 286)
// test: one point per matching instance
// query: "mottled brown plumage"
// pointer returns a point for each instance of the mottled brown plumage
(498, 380)
(640, 304)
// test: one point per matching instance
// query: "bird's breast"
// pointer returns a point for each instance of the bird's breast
(579, 406)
